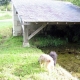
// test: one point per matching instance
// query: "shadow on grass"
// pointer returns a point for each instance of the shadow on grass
(27, 69)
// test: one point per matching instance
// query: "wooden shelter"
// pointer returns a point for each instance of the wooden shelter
(31, 16)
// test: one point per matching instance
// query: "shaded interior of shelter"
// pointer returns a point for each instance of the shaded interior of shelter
(69, 31)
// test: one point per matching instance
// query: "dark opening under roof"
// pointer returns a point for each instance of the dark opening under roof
(46, 11)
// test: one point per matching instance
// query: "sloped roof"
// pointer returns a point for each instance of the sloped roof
(47, 11)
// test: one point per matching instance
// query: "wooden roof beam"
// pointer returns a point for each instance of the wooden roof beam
(35, 32)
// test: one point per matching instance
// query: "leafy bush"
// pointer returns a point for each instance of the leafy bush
(46, 41)
(9, 7)
(5, 7)
(2, 8)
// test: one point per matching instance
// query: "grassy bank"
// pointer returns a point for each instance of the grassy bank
(18, 63)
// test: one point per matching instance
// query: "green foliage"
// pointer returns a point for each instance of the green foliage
(9, 8)
(2, 8)
(6, 7)
(4, 2)
(46, 41)
(76, 2)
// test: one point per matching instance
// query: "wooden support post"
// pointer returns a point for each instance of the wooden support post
(34, 33)
(25, 36)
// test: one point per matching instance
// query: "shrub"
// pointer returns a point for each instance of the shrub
(9, 7)
(4, 7)
(46, 41)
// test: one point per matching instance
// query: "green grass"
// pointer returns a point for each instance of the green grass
(16, 61)
(19, 62)
(5, 15)
(4, 30)
(22, 63)
(46, 41)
